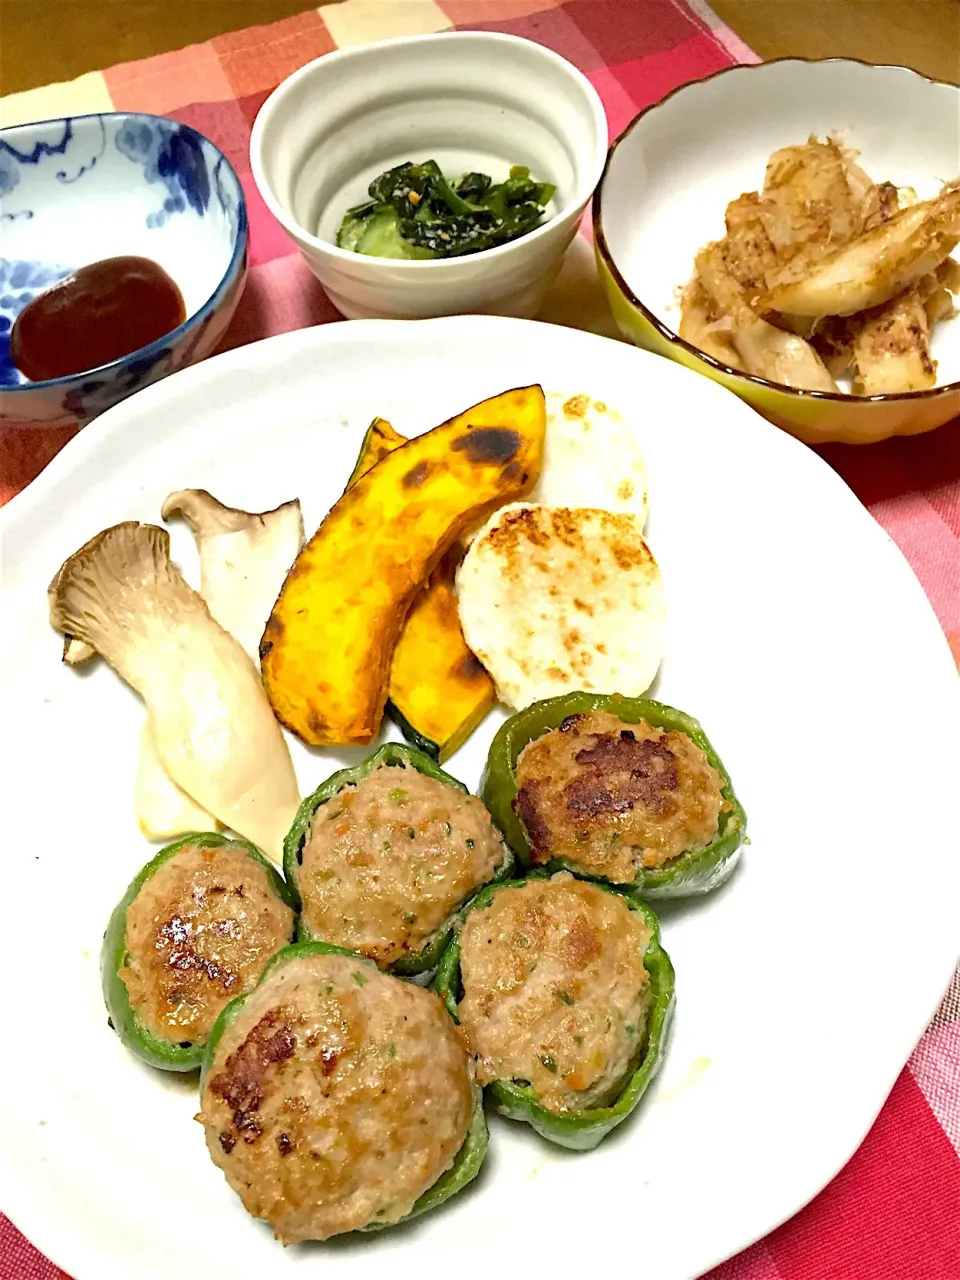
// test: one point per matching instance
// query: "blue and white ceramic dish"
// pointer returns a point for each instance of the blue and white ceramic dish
(77, 190)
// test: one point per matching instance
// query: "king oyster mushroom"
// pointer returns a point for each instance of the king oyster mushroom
(210, 721)
(244, 558)
(75, 651)
(164, 810)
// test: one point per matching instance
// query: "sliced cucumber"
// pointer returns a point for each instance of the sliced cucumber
(382, 239)
(352, 231)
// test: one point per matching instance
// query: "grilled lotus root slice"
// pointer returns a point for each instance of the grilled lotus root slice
(326, 650)
(211, 723)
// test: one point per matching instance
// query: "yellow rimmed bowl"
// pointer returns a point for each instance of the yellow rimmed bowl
(671, 174)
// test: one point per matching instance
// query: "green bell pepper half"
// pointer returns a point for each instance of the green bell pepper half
(469, 1158)
(577, 1130)
(694, 872)
(391, 753)
(157, 1051)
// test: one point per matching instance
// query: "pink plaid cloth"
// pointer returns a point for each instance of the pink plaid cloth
(894, 1212)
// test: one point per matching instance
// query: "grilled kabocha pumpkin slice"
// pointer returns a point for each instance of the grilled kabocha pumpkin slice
(328, 644)
(439, 691)
(381, 439)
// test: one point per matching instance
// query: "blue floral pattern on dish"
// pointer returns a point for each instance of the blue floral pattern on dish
(41, 148)
(9, 172)
(172, 154)
(91, 156)
(83, 188)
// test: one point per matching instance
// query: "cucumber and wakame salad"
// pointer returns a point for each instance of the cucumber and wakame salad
(415, 212)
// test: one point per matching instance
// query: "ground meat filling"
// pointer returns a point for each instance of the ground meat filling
(555, 993)
(199, 933)
(616, 798)
(337, 1097)
(387, 862)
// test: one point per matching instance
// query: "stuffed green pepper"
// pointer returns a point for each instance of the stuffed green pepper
(336, 1098)
(383, 855)
(625, 790)
(194, 929)
(564, 996)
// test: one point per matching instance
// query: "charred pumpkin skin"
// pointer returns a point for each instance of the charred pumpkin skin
(380, 439)
(328, 644)
(439, 691)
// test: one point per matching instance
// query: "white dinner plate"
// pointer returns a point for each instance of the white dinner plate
(796, 633)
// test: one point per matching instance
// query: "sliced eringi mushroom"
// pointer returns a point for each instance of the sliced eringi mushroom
(75, 651)
(210, 721)
(164, 810)
(244, 558)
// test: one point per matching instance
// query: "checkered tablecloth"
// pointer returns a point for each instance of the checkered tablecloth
(894, 1212)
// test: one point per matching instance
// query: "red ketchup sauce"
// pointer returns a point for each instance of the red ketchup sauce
(102, 312)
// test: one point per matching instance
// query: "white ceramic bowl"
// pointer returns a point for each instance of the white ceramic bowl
(76, 190)
(471, 100)
(673, 171)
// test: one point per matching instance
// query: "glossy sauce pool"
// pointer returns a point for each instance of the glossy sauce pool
(100, 313)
